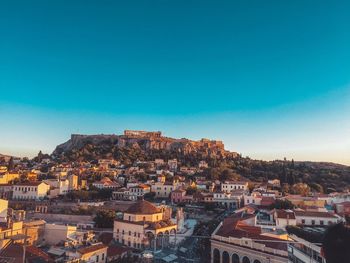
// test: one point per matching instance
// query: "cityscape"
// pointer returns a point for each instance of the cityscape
(143, 197)
(174, 131)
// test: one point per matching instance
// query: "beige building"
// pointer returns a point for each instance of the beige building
(144, 225)
(58, 234)
(60, 186)
(238, 242)
(34, 230)
(30, 191)
(7, 177)
(3, 210)
(96, 253)
(73, 182)
(163, 190)
(9, 228)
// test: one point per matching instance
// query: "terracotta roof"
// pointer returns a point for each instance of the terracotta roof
(267, 200)
(113, 251)
(92, 248)
(142, 207)
(13, 252)
(106, 238)
(234, 227)
(34, 254)
(285, 214)
(313, 214)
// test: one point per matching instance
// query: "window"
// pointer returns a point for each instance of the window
(303, 221)
(103, 256)
(129, 233)
(97, 258)
(312, 222)
(321, 222)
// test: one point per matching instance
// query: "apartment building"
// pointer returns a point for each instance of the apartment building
(228, 186)
(30, 191)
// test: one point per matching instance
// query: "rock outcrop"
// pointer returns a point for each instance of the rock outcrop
(146, 141)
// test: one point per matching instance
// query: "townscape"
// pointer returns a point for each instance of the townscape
(143, 197)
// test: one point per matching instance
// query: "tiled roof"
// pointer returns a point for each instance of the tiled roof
(142, 207)
(34, 254)
(313, 214)
(92, 248)
(285, 214)
(113, 251)
(234, 227)
(13, 252)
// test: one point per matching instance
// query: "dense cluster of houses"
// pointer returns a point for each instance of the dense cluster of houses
(255, 230)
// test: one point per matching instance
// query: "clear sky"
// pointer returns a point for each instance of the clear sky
(269, 78)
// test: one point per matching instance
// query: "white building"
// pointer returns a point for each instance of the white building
(140, 190)
(226, 199)
(30, 191)
(311, 218)
(61, 184)
(228, 186)
(123, 194)
(254, 198)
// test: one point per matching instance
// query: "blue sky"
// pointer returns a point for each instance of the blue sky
(270, 78)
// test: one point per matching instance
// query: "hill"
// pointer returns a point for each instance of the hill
(140, 144)
(224, 165)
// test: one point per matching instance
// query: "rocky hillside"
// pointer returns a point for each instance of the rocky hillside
(144, 145)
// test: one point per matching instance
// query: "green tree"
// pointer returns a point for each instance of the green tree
(300, 189)
(316, 187)
(11, 164)
(282, 204)
(104, 219)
